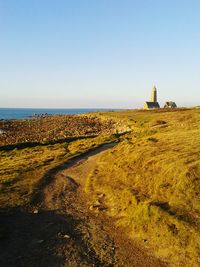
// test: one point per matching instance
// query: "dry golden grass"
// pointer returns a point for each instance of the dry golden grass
(22, 169)
(151, 181)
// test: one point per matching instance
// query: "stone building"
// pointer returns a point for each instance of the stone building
(170, 104)
(153, 104)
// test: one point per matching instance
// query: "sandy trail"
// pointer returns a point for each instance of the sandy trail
(61, 230)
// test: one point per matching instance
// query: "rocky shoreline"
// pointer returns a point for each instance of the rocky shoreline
(52, 127)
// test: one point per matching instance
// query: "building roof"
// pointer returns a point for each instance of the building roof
(150, 104)
(170, 104)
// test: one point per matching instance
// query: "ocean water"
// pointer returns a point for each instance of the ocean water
(21, 113)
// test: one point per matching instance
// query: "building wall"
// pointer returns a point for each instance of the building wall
(145, 106)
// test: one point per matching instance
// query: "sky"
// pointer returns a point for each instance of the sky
(98, 53)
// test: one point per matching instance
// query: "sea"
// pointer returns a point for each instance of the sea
(22, 113)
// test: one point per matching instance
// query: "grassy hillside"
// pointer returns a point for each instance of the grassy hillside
(31, 147)
(150, 182)
(23, 169)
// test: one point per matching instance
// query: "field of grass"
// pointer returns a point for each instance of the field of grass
(151, 182)
(22, 169)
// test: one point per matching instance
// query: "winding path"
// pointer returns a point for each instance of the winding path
(61, 230)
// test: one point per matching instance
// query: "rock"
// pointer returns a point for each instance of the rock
(91, 207)
(101, 195)
(2, 132)
(96, 203)
(104, 209)
(94, 208)
(48, 128)
(66, 236)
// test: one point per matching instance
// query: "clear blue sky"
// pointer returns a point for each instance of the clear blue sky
(98, 53)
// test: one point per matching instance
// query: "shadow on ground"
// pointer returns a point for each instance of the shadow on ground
(41, 239)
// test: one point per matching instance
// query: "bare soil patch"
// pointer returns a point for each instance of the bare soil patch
(59, 229)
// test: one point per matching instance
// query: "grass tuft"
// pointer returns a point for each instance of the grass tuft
(151, 182)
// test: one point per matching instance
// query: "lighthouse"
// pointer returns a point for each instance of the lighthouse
(154, 94)
(153, 103)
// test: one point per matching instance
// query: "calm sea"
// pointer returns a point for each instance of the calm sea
(21, 113)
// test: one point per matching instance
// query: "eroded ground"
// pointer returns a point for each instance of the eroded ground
(68, 203)
(63, 228)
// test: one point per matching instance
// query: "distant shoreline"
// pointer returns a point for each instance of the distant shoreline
(24, 113)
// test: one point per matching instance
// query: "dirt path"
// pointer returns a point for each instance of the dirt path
(61, 230)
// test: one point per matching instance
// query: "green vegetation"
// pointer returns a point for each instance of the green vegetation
(151, 181)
